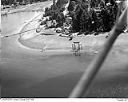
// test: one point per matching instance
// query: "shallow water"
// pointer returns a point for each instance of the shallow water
(56, 75)
(26, 73)
(12, 22)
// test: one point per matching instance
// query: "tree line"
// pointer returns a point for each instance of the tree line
(87, 15)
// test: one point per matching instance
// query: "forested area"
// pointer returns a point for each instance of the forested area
(87, 16)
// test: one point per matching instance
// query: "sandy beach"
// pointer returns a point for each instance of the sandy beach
(28, 72)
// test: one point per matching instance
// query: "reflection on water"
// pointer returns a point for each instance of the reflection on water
(11, 23)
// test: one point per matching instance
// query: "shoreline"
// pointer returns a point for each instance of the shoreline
(38, 42)
(31, 73)
(23, 8)
(22, 27)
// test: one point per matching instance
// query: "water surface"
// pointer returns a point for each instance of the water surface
(12, 22)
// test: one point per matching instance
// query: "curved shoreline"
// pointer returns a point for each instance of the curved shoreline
(36, 41)
(23, 27)
(27, 43)
(22, 8)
